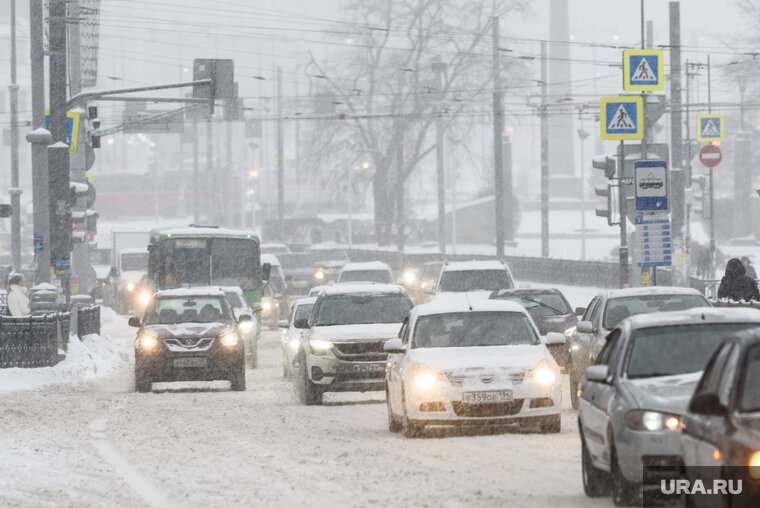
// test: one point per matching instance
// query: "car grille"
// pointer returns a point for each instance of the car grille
(487, 410)
(458, 379)
(360, 351)
(185, 344)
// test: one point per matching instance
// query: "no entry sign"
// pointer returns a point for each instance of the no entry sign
(710, 156)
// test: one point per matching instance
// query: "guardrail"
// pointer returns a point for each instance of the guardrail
(88, 320)
(32, 341)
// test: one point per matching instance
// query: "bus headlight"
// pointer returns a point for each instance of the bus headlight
(130, 286)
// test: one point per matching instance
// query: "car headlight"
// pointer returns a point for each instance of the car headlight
(320, 347)
(130, 286)
(544, 373)
(266, 305)
(246, 326)
(230, 339)
(410, 277)
(319, 274)
(424, 378)
(754, 465)
(652, 420)
(145, 298)
(147, 342)
(293, 345)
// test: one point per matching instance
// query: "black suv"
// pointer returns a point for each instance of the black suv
(189, 335)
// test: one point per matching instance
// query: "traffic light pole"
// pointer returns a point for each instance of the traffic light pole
(624, 278)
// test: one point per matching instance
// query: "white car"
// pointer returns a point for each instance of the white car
(292, 328)
(248, 328)
(477, 279)
(476, 363)
(373, 271)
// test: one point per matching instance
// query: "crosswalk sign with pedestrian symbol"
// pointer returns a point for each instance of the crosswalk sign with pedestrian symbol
(643, 70)
(621, 118)
(710, 128)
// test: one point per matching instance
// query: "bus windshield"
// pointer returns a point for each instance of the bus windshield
(200, 261)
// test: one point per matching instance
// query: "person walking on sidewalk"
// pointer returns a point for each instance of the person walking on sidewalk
(18, 303)
(735, 284)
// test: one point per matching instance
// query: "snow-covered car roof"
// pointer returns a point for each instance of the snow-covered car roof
(458, 266)
(316, 290)
(271, 259)
(364, 288)
(695, 316)
(232, 289)
(305, 301)
(651, 291)
(465, 305)
(134, 250)
(368, 265)
(187, 292)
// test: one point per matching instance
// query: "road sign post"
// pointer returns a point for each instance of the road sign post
(654, 241)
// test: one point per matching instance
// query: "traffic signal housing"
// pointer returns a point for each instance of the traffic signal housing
(606, 163)
(92, 225)
(608, 208)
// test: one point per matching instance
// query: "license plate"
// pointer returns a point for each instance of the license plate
(190, 362)
(369, 368)
(487, 397)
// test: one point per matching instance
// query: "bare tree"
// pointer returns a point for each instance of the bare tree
(386, 88)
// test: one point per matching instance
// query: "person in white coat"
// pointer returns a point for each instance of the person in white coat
(18, 303)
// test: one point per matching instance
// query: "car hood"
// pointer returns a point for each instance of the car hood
(523, 357)
(373, 331)
(187, 330)
(670, 394)
(447, 296)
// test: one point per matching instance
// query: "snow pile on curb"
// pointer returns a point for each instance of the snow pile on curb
(89, 359)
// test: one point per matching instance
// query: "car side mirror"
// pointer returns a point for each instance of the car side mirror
(429, 289)
(579, 311)
(266, 271)
(553, 338)
(242, 318)
(256, 307)
(301, 323)
(134, 322)
(394, 346)
(707, 404)
(283, 323)
(584, 327)
(598, 373)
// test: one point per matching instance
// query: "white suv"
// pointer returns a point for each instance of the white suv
(343, 348)
(481, 277)
(373, 271)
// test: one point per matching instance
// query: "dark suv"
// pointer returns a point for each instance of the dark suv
(189, 335)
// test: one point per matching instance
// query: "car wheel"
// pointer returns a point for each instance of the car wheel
(624, 493)
(143, 383)
(411, 428)
(311, 394)
(285, 367)
(237, 380)
(575, 384)
(394, 425)
(551, 424)
(595, 481)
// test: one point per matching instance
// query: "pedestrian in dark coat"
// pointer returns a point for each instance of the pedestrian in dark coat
(735, 284)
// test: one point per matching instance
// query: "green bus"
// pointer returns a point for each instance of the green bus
(208, 256)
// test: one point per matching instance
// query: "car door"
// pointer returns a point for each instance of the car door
(395, 367)
(698, 443)
(595, 398)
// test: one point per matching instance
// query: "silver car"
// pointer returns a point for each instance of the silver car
(633, 397)
(609, 308)
(292, 328)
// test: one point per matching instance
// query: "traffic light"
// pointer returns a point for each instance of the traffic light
(77, 199)
(609, 208)
(92, 225)
(607, 163)
(701, 186)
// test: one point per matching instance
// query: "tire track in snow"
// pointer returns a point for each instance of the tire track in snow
(141, 485)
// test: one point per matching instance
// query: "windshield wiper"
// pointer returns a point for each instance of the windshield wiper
(542, 304)
(652, 374)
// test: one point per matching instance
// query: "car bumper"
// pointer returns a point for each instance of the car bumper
(334, 375)
(218, 364)
(636, 449)
(444, 405)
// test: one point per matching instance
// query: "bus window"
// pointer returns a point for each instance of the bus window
(184, 263)
(234, 262)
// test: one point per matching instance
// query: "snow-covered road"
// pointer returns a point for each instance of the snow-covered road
(98, 443)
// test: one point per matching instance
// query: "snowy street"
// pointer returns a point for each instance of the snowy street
(100, 443)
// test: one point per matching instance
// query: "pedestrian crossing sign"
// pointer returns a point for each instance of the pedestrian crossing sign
(643, 70)
(710, 128)
(621, 117)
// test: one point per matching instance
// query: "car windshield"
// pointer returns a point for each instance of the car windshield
(467, 329)
(300, 260)
(620, 308)
(134, 261)
(475, 280)
(539, 304)
(324, 255)
(431, 271)
(234, 299)
(750, 387)
(380, 276)
(673, 350)
(362, 309)
(187, 309)
(303, 311)
(210, 261)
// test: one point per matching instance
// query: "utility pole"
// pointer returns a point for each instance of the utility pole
(40, 139)
(196, 204)
(712, 186)
(498, 130)
(544, 159)
(15, 190)
(679, 180)
(212, 179)
(229, 213)
(58, 152)
(280, 162)
(400, 184)
(439, 68)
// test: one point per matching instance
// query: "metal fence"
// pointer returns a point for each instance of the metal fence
(31, 341)
(88, 320)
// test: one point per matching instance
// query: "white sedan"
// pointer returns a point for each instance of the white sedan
(479, 362)
(292, 328)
